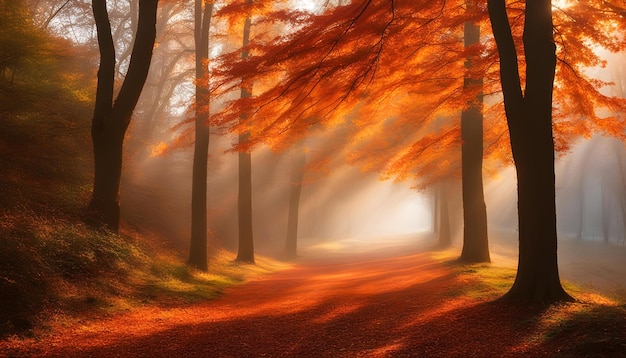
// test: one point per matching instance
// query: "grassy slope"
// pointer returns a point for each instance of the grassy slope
(53, 267)
(593, 326)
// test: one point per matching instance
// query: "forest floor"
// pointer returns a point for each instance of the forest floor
(383, 303)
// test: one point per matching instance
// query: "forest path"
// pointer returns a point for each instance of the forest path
(372, 305)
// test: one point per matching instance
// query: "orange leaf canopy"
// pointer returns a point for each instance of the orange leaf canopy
(391, 72)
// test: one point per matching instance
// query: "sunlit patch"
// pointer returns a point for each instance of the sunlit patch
(595, 298)
(331, 245)
(306, 5)
(337, 312)
(439, 309)
(384, 351)
(158, 149)
(558, 317)
(561, 4)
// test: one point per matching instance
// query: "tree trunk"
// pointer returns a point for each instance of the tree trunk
(475, 239)
(618, 146)
(198, 244)
(295, 189)
(110, 121)
(443, 216)
(606, 211)
(245, 253)
(581, 213)
(529, 117)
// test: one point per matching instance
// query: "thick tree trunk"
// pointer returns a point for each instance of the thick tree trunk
(110, 121)
(295, 189)
(475, 239)
(529, 117)
(245, 253)
(105, 199)
(198, 244)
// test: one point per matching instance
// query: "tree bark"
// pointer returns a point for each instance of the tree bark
(110, 121)
(198, 244)
(245, 253)
(475, 239)
(295, 189)
(529, 117)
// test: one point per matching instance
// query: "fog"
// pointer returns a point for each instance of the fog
(589, 193)
(345, 203)
(344, 212)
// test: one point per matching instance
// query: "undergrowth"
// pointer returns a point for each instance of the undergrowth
(54, 268)
(593, 326)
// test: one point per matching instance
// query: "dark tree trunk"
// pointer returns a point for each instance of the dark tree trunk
(245, 253)
(529, 117)
(110, 121)
(295, 189)
(475, 239)
(198, 245)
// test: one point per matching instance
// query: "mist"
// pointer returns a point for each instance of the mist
(347, 213)
(344, 204)
(329, 177)
(343, 210)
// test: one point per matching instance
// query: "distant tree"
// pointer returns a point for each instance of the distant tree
(47, 12)
(245, 252)
(22, 45)
(172, 68)
(529, 116)
(298, 160)
(51, 9)
(621, 190)
(395, 70)
(198, 244)
(442, 225)
(111, 119)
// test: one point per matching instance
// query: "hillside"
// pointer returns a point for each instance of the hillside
(54, 268)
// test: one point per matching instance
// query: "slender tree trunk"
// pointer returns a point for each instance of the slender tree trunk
(110, 121)
(435, 209)
(198, 245)
(295, 189)
(581, 213)
(245, 253)
(475, 239)
(529, 117)
(606, 211)
(622, 186)
(443, 214)
(581, 188)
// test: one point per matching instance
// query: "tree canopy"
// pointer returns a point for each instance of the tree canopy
(397, 67)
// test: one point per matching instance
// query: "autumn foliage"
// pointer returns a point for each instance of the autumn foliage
(390, 73)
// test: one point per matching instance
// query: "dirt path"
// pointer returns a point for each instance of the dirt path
(407, 306)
